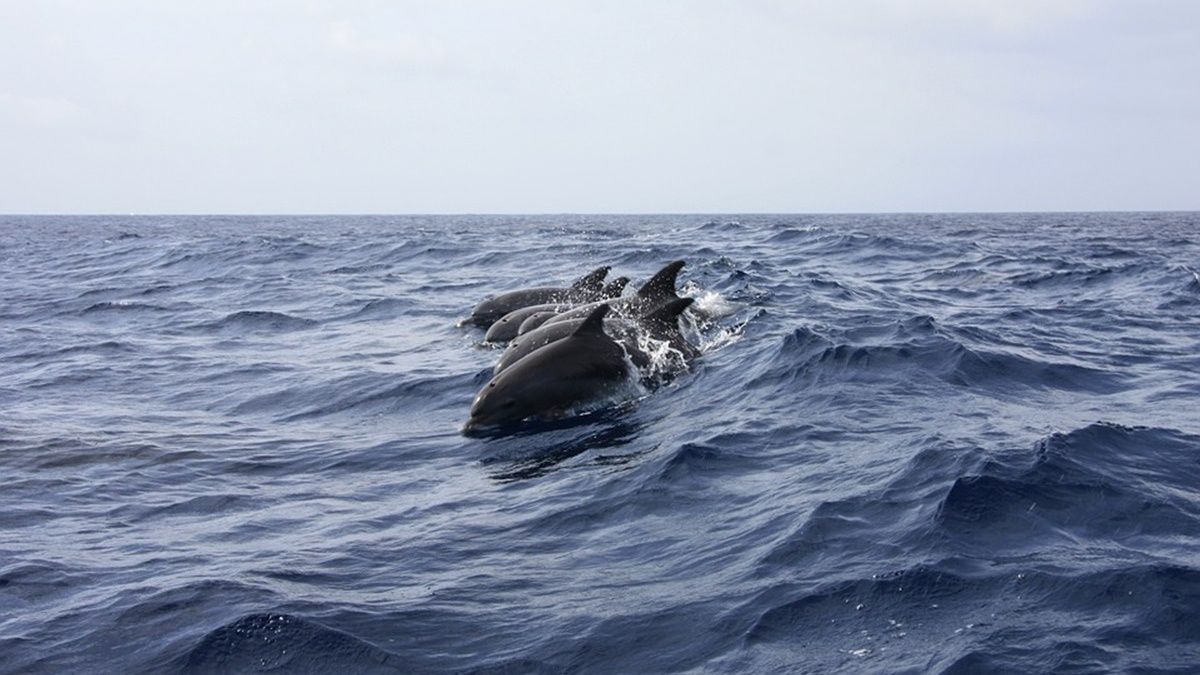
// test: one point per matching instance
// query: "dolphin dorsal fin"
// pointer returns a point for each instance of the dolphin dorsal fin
(591, 282)
(615, 288)
(594, 323)
(666, 314)
(661, 286)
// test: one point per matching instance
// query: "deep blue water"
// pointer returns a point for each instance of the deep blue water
(915, 443)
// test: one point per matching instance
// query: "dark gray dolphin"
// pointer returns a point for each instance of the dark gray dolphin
(661, 286)
(661, 323)
(582, 367)
(615, 288)
(535, 321)
(586, 289)
(660, 289)
(508, 326)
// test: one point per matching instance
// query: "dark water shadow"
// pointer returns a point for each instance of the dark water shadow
(533, 449)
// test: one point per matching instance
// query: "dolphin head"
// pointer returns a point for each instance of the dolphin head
(508, 400)
(492, 408)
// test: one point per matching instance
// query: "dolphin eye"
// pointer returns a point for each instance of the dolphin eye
(509, 404)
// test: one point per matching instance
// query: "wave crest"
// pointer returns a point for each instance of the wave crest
(265, 642)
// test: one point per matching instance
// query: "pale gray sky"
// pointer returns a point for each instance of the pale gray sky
(519, 106)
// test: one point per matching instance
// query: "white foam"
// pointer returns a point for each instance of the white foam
(665, 360)
(715, 305)
(721, 339)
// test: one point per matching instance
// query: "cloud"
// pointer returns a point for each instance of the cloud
(396, 51)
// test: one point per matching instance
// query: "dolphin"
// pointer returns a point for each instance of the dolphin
(658, 290)
(534, 321)
(508, 326)
(660, 323)
(582, 367)
(587, 288)
(615, 288)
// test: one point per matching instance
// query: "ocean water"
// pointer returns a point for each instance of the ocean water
(914, 443)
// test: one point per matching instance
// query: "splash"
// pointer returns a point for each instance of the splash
(665, 361)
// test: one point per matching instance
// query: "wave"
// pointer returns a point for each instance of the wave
(722, 226)
(29, 583)
(359, 268)
(893, 521)
(721, 457)
(1081, 276)
(969, 546)
(864, 245)
(122, 306)
(260, 321)
(193, 258)
(537, 449)
(787, 234)
(356, 393)
(104, 347)
(203, 506)
(806, 356)
(1192, 286)
(1185, 296)
(382, 308)
(933, 618)
(263, 642)
(1100, 482)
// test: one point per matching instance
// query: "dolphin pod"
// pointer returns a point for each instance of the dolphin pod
(660, 323)
(659, 289)
(573, 346)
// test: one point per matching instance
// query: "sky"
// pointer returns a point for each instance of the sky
(526, 106)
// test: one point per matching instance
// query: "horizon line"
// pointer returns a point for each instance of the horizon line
(578, 213)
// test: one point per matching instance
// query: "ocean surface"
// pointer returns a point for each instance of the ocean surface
(914, 443)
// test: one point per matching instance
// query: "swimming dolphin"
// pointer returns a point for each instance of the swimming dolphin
(508, 326)
(585, 366)
(658, 290)
(615, 288)
(587, 288)
(534, 322)
(661, 323)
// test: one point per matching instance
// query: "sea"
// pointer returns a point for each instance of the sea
(915, 443)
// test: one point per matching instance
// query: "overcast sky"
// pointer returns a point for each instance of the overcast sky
(524, 106)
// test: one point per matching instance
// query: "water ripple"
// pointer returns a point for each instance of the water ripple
(912, 443)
